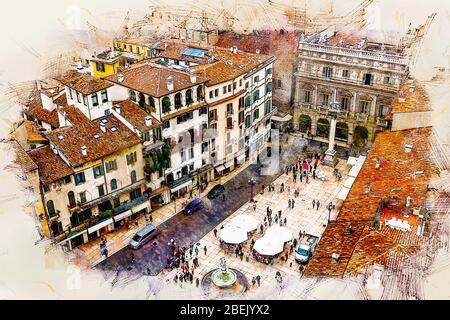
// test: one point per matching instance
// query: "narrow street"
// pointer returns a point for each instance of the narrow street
(186, 229)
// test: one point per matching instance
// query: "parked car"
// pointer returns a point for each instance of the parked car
(306, 248)
(193, 206)
(143, 236)
(215, 191)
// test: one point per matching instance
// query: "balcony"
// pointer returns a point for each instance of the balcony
(361, 117)
(124, 206)
(382, 122)
(173, 184)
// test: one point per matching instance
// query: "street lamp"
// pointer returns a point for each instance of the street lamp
(251, 182)
(330, 207)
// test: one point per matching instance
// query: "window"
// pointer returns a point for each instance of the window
(85, 100)
(132, 95)
(166, 124)
(324, 99)
(307, 96)
(137, 50)
(229, 87)
(255, 114)
(388, 80)
(267, 107)
(202, 110)
(204, 147)
(229, 108)
(269, 87)
(327, 72)
(269, 71)
(368, 79)
(67, 180)
(51, 208)
(100, 66)
(94, 100)
(241, 102)
(83, 197)
(246, 85)
(146, 136)
(78, 97)
(185, 117)
(241, 117)
(256, 95)
(45, 187)
(104, 95)
(256, 79)
(211, 94)
(101, 190)
(247, 101)
(165, 104)
(71, 198)
(216, 92)
(113, 184)
(178, 103)
(189, 99)
(279, 84)
(111, 165)
(79, 178)
(200, 94)
(345, 73)
(212, 114)
(98, 171)
(240, 82)
(248, 121)
(345, 102)
(234, 85)
(364, 106)
(131, 158)
(70, 93)
(229, 123)
(224, 90)
(133, 176)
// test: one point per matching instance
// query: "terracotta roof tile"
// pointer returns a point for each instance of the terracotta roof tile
(35, 133)
(22, 158)
(135, 115)
(415, 97)
(82, 82)
(82, 134)
(50, 166)
(151, 79)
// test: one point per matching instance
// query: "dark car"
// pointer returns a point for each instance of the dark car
(193, 206)
(215, 191)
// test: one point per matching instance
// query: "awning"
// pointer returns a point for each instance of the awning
(181, 186)
(352, 161)
(281, 117)
(122, 215)
(140, 207)
(245, 222)
(267, 246)
(220, 168)
(343, 193)
(233, 235)
(354, 171)
(100, 225)
(229, 164)
(277, 233)
(349, 182)
(241, 158)
(72, 235)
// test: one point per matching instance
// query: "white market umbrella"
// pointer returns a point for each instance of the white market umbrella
(267, 246)
(243, 221)
(233, 235)
(282, 234)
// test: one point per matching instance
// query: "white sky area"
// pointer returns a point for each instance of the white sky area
(33, 31)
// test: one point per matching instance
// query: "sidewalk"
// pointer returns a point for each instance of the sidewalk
(88, 255)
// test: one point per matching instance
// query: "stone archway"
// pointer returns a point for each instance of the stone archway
(360, 137)
(341, 132)
(323, 128)
(304, 123)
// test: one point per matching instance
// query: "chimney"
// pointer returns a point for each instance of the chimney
(102, 127)
(120, 77)
(408, 147)
(170, 83)
(84, 150)
(117, 108)
(377, 163)
(257, 51)
(148, 121)
(193, 76)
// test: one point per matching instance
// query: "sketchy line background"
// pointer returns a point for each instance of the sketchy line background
(35, 37)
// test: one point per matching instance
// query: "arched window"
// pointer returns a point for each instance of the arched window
(248, 121)
(200, 94)
(189, 97)
(247, 101)
(256, 95)
(165, 104)
(304, 124)
(267, 107)
(132, 95)
(151, 104)
(141, 100)
(71, 197)
(341, 131)
(323, 128)
(51, 208)
(113, 184)
(269, 87)
(178, 104)
(133, 176)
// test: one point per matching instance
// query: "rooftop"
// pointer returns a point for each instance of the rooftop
(151, 79)
(51, 167)
(412, 97)
(405, 170)
(135, 115)
(22, 158)
(35, 133)
(82, 82)
(99, 144)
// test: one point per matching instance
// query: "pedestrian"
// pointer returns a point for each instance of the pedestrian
(253, 281)
(196, 250)
(236, 251)
(241, 255)
(197, 282)
(190, 252)
(314, 203)
(132, 256)
(205, 250)
(291, 248)
(318, 204)
(307, 178)
(279, 214)
(254, 206)
(258, 280)
(295, 242)
(314, 174)
(215, 232)
(301, 178)
(284, 221)
(293, 202)
(289, 203)
(261, 228)
(276, 218)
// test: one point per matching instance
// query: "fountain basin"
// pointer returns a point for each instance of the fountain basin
(223, 278)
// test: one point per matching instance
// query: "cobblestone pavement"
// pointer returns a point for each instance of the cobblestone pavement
(186, 229)
(301, 217)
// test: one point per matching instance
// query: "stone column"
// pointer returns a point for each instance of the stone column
(313, 125)
(353, 107)
(330, 154)
(373, 107)
(316, 96)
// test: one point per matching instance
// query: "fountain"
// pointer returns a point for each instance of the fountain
(224, 282)
(223, 277)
